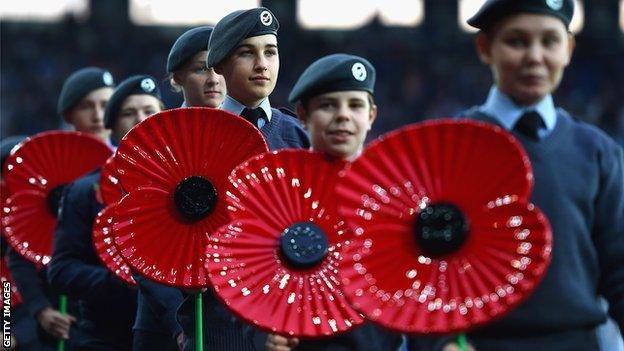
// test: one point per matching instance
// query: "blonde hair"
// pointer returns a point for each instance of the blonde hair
(175, 87)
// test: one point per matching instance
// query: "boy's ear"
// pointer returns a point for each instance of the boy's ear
(302, 114)
(483, 47)
(571, 45)
(176, 78)
(372, 116)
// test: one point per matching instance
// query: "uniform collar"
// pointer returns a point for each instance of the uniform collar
(232, 105)
(503, 109)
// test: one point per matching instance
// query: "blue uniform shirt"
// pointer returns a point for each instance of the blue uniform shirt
(231, 105)
(508, 113)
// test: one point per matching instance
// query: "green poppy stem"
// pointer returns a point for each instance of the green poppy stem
(462, 342)
(199, 321)
(63, 309)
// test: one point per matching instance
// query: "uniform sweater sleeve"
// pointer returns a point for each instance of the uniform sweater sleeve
(163, 300)
(28, 283)
(609, 230)
(74, 268)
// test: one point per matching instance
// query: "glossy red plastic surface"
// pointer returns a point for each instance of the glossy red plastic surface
(110, 188)
(38, 166)
(152, 160)
(49, 159)
(105, 246)
(485, 173)
(268, 194)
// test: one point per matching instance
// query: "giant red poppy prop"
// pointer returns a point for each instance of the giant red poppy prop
(175, 166)
(36, 174)
(276, 265)
(105, 246)
(110, 188)
(445, 237)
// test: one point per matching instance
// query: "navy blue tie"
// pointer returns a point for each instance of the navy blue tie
(530, 124)
(252, 115)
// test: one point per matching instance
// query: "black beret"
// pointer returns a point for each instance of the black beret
(237, 26)
(81, 83)
(494, 10)
(188, 44)
(337, 72)
(135, 85)
(7, 144)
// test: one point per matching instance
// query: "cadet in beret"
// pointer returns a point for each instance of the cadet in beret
(107, 304)
(156, 326)
(81, 104)
(579, 181)
(334, 97)
(83, 99)
(243, 48)
(188, 73)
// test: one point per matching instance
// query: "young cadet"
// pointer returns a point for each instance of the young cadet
(107, 304)
(334, 97)
(579, 180)
(156, 327)
(81, 103)
(83, 99)
(188, 73)
(243, 48)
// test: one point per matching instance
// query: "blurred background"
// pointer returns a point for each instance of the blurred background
(425, 58)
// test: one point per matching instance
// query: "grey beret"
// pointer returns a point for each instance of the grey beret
(188, 44)
(237, 26)
(81, 83)
(494, 10)
(135, 85)
(337, 72)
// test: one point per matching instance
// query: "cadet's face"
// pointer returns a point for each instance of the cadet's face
(527, 54)
(88, 115)
(251, 70)
(201, 85)
(135, 109)
(338, 122)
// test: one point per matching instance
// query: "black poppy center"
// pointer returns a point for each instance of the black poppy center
(304, 245)
(195, 198)
(54, 199)
(441, 229)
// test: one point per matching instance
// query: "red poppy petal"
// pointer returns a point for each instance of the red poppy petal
(4, 192)
(154, 240)
(388, 278)
(175, 144)
(269, 194)
(105, 247)
(49, 159)
(110, 187)
(29, 224)
(463, 162)
(249, 275)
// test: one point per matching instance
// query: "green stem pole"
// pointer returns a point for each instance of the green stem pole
(63, 309)
(199, 323)
(461, 342)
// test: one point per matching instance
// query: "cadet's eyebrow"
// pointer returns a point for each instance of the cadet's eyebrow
(247, 46)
